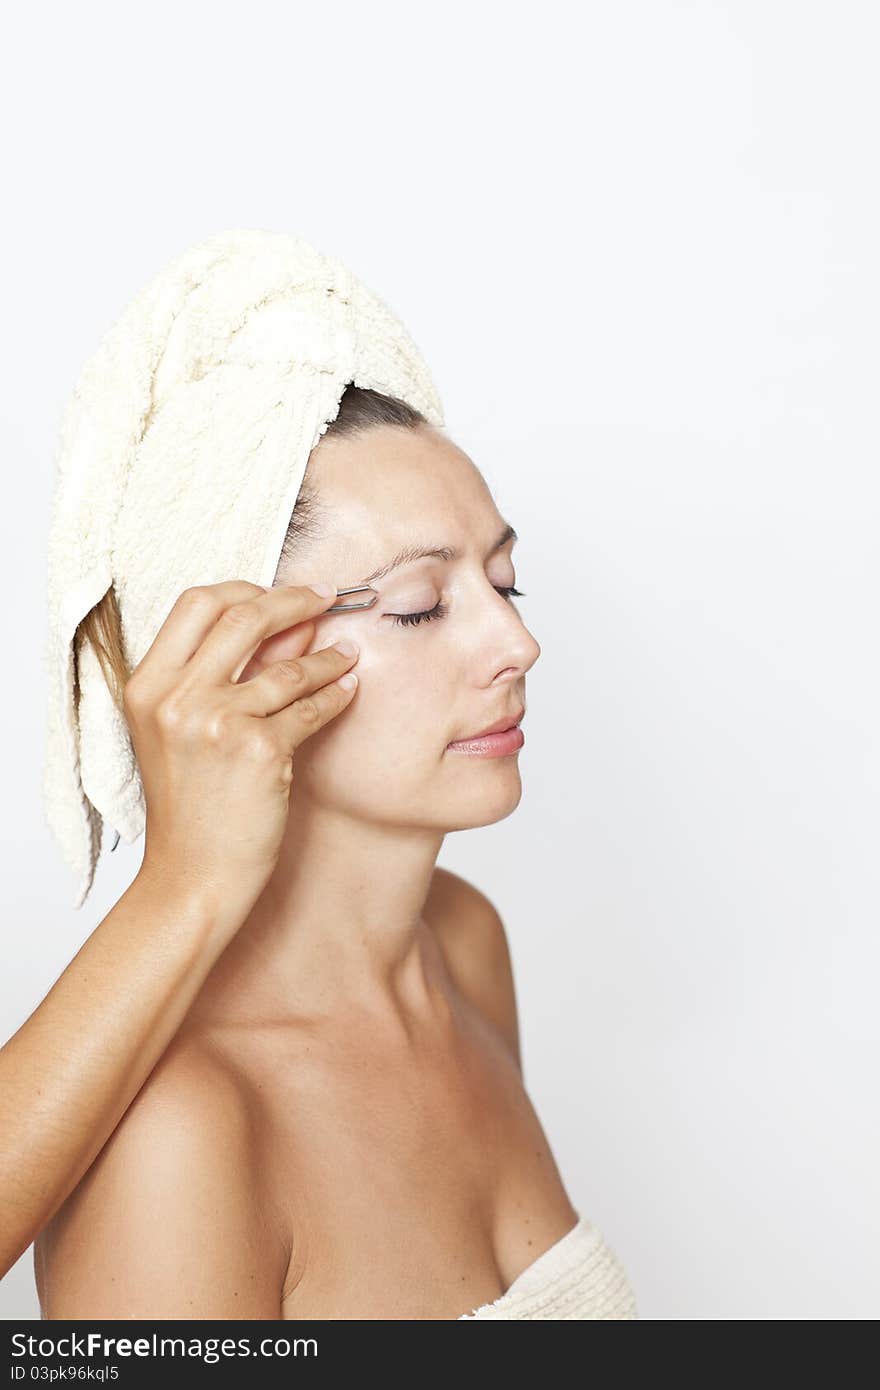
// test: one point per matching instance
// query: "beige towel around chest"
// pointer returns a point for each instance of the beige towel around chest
(580, 1278)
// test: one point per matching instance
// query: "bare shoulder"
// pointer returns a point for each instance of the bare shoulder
(170, 1221)
(472, 936)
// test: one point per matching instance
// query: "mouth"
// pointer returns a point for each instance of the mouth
(499, 727)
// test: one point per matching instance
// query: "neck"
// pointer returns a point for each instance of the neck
(339, 926)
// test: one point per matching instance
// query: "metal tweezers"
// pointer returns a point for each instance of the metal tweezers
(357, 589)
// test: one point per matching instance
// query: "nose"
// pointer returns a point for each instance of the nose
(517, 648)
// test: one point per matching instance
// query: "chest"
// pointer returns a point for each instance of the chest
(412, 1182)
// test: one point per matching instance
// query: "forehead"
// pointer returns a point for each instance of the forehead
(393, 486)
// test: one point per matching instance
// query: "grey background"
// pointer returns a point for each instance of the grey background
(637, 244)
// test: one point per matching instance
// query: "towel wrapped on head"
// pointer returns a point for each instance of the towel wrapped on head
(182, 451)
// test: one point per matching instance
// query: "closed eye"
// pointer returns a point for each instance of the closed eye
(440, 609)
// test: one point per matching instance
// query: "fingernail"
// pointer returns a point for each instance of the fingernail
(323, 590)
(347, 647)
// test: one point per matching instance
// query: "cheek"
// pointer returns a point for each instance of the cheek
(392, 677)
(397, 695)
(403, 702)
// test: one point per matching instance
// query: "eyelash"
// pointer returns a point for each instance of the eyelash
(440, 610)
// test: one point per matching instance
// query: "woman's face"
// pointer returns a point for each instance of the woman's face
(423, 682)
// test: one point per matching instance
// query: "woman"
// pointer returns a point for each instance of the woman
(339, 1127)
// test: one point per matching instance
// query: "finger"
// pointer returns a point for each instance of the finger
(191, 618)
(296, 722)
(285, 681)
(241, 627)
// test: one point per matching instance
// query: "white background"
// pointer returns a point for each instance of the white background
(637, 244)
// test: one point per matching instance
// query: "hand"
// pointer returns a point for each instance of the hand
(216, 754)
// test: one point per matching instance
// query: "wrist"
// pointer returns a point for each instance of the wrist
(194, 906)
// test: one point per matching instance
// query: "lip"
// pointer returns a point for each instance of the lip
(499, 727)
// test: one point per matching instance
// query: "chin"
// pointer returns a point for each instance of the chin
(489, 806)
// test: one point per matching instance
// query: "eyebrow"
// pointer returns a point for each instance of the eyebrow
(410, 553)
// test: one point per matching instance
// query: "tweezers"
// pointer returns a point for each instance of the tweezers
(356, 589)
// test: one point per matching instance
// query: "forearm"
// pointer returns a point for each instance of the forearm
(75, 1065)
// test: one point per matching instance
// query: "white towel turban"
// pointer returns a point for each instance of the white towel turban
(180, 458)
